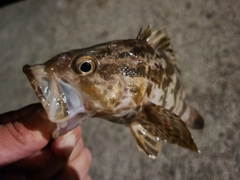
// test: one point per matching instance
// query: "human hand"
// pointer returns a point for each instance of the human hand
(27, 150)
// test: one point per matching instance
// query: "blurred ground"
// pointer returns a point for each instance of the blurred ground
(206, 37)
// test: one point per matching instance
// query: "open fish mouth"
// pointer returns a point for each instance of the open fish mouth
(59, 99)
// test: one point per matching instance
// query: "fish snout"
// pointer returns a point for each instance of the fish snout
(60, 99)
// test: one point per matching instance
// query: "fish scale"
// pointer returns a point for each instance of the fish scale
(134, 82)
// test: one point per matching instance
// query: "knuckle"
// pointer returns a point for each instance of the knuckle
(21, 134)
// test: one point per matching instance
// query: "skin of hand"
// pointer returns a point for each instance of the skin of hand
(27, 150)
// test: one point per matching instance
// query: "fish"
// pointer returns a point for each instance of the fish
(133, 82)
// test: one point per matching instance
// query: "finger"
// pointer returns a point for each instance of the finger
(15, 115)
(64, 145)
(47, 168)
(77, 168)
(26, 136)
(81, 163)
(77, 150)
(47, 162)
(87, 178)
(41, 165)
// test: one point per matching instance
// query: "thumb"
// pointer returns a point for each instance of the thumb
(25, 132)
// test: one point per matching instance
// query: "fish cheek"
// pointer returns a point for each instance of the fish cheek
(100, 93)
(114, 94)
(89, 88)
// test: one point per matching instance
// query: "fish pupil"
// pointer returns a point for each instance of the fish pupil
(86, 67)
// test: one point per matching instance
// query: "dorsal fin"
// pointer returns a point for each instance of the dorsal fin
(144, 35)
(159, 41)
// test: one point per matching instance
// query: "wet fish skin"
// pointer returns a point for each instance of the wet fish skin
(133, 82)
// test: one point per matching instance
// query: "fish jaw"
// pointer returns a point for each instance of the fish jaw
(63, 104)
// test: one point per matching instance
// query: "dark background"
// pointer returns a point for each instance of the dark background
(206, 38)
(7, 2)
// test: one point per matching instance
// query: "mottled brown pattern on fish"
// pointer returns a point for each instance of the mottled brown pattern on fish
(133, 82)
(149, 89)
(141, 49)
(176, 90)
(183, 109)
(126, 119)
(170, 128)
(171, 68)
(108, 70)
(175, 93)
(155, 75)
(166, 81)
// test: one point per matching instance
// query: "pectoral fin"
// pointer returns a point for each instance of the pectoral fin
(146, 142)
(166, 125)
(156, 122)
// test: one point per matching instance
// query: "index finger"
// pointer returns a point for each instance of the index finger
(28, 134)
(17, 114)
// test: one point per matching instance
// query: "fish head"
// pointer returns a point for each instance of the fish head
(55, 84)
(105, 81)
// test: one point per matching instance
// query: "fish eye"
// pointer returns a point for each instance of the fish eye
(84, 65)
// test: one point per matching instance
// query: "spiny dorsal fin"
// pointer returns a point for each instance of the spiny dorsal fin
(159, 41)
(145, 34)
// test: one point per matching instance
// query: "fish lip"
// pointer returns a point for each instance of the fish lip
(33, 81)
(56, 113)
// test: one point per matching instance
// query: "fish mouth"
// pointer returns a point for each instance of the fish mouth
(58, 97)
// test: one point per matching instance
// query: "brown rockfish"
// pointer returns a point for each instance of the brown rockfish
(133, 82)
